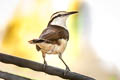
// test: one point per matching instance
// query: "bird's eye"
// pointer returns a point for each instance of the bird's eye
(59, 15)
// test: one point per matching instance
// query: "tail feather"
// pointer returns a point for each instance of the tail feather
(35, 41)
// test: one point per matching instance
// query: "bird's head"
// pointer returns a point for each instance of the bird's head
(59, 18)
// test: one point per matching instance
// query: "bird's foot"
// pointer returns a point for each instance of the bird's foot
(67, 68)
(66, 71)
(44, 67)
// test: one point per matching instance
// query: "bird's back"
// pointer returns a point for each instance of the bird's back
(53, 33)
(54, 40)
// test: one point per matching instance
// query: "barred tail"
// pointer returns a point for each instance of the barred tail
(35, 41)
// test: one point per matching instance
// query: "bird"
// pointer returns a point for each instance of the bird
(54, 38)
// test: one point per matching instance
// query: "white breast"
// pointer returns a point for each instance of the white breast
(53, 48)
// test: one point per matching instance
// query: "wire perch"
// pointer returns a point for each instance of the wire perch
(39, 67)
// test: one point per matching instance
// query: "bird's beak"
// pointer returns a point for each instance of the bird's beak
(73, 12)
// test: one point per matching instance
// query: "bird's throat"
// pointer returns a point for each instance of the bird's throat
(60, 21)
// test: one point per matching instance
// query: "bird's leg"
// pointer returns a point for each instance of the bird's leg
(67, 68)
(45, 63)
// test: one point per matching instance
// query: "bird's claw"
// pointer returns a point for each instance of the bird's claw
(44, 67)
(67, 68)
(66, 71)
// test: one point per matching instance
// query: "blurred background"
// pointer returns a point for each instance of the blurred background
(94, 45)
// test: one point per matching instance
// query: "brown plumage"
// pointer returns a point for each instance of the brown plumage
(54, 33)
(53, 39)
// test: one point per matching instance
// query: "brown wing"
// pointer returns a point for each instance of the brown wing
(53, 33)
